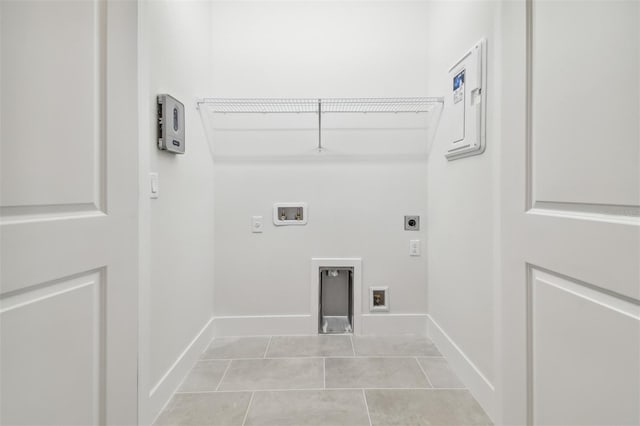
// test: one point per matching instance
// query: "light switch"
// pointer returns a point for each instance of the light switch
(414, 248)
(154, 189)
(256, 224)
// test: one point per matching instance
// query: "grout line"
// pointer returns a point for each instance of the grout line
(248, 408)
(326, 356)
(366, 404)
(324, 373)
(424, 372)
(184, 379)
(223, 375)
(267, 348)
(353, 348)
(208, 345)
(317, 389)
(261, 358)
(165, 407)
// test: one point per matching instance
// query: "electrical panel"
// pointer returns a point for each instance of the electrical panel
(170, 124)
(467, 103)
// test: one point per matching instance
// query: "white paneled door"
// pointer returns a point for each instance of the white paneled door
(68, 295)
(570, 299)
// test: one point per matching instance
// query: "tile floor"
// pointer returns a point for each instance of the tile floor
(322, 380)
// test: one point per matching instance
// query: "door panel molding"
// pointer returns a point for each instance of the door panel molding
(554, 338)
(34, 293)
(626, 215)
(596, 299)
(606, 212)
(69, 214)
(29, 214)
(42, 205)
(51, 307)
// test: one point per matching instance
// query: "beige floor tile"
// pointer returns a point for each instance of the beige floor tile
(424, 407)
(204, 376)
(308, 408)
(374, 373)
(394, 346)
(317, 380)
(215, 409)
(440, 373)
(272, 374)
(301, 346)
(236, 347)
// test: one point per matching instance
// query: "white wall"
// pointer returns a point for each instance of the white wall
(463, 215)
(356, 202)
(177, 228)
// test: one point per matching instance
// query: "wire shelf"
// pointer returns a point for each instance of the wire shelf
(327, 105)
(395, 105)
(318, 106)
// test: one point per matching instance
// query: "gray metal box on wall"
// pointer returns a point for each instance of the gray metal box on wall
(170, 124)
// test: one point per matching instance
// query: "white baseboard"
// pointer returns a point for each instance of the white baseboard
(394, 324)
(481, 388)
(172, 378)
(286, 325)
(262, 325)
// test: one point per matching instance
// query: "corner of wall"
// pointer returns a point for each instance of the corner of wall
(464, 229)
(175, 304)
(162, 391)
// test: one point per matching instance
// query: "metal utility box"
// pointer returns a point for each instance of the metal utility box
(170, 124)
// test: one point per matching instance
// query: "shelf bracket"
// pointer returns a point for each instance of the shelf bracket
(319, 125)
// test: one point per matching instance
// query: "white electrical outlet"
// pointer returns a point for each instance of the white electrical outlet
(256, 224)
(414, 248)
